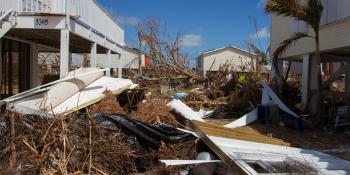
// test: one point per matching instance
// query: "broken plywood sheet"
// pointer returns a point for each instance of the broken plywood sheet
(86, 97)
(219, 131)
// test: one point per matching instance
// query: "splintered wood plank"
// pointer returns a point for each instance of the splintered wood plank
(219, 131)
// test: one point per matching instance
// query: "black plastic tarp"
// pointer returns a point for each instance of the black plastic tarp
(148, 135)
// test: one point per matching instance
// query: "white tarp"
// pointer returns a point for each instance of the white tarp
(268, 97)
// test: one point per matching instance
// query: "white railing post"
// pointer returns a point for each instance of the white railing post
(19, 2)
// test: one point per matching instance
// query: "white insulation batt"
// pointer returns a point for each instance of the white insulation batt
(85, 88)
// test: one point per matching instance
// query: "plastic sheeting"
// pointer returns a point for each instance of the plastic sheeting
(149, 135)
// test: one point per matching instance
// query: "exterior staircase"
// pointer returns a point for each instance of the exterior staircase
(7, 21)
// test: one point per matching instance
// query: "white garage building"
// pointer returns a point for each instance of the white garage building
(234, 58)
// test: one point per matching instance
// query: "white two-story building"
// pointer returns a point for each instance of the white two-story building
(334, 45)
(28, 27)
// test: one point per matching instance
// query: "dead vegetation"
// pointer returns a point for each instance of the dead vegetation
(108, 105)
(65, 145)
(168, 62)
(155, 111)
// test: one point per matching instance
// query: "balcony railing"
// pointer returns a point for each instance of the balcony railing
(86, 11)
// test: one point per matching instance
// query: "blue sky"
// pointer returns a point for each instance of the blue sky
(204, 24)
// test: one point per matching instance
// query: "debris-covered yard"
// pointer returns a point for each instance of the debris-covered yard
(141, 130)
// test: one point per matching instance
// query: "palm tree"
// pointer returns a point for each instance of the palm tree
(309, 12)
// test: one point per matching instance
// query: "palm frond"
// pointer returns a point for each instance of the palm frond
(310, 12)
(313, 13)
(291, 8)
(284, 46)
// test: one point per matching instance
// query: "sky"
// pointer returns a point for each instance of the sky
(203, 24)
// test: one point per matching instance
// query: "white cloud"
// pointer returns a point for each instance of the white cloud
(128, 20)
(261, 3)
(191, 40)
(262, 33)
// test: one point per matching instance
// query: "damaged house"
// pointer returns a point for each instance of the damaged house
(29, 27)
(334, 47)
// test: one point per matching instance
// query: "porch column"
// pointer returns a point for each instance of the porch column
(109, 59)
(64, 53)
(304, 82)
(120, 66)
(33, 61)
(70, 60)
(93, 55)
